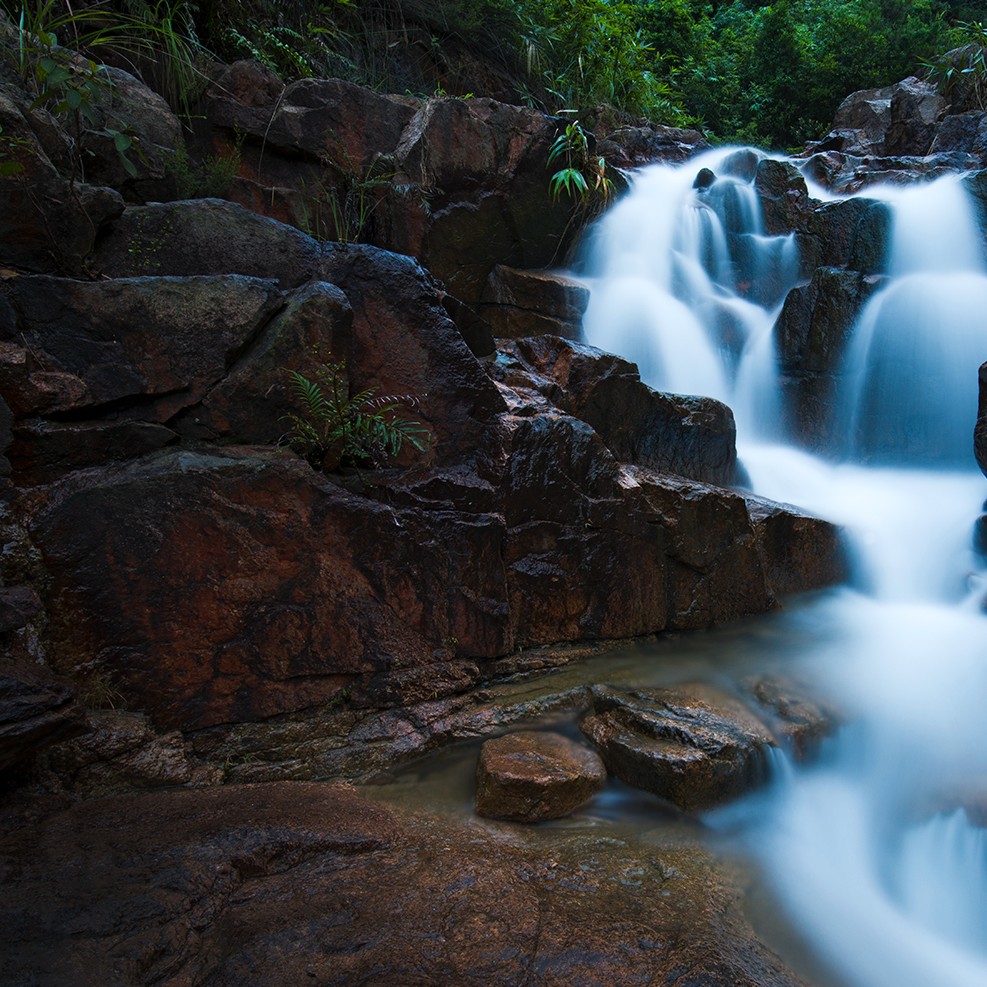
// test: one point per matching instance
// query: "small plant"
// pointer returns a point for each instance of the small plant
(209, 178)
(967, 66)
(335, 428)
(582, 175)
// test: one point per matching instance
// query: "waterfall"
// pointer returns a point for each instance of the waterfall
(870, 849)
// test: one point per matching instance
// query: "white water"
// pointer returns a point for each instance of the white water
(869, 850)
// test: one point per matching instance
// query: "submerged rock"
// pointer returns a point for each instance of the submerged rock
(693, 744)
(980, 429)
(529, 777)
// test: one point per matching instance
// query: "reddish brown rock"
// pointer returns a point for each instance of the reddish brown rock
(533, 303)
(690, 436)
(693, 745)
(798, 720)
(530, 777)
(784, 196)
(285, 883)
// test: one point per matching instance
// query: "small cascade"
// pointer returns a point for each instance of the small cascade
(871, 850)
(687, 285)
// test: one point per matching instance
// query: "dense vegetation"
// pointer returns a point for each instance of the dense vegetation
(771, 73)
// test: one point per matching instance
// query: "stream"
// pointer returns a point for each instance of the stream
(867, 853)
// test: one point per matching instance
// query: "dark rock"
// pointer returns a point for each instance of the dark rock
(125, 105)
(121, 753)
(817, 320)
(916, 108)
(694, 437)
(704, 179)
(36, 709)
(6, 434)
(43, 451)
(798, 550)
(405, 344)
(19, 605)
(715, 565)
(813, 331)
(742, 164)
(799, 722)
(286, 883)
(693, 745)
(864, 117)
(327, 119)
(205, 236)
(244, 586)
(529, 777)
(980, 430)
(784, 197)
(636, 146)
(160, 342)
(250, 403)
(533, 303)
(47, 222)
(854, 233)
(964, 132)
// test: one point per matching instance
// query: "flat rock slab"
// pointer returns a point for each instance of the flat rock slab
(530, 776)
(296, 883)
(694, 745)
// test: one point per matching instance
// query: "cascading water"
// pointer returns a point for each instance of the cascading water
(870, 849)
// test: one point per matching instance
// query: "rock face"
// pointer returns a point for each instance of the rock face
(35, 710)
(285, 883)
(529, 777)
(693, 745)
(517, 304)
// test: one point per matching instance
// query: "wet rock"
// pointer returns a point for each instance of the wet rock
(533, 303)
(704, 179)
(161, 342)
(205, 236)
(916, 109)
(36, 708)
(813, 332)
(784, 197)
(693, 745)
(19, 605)
(529, 777)
(121, 753)
(281, 884)
(854, 234)
(799, 721)
(798, 550)
(863, 119)
(980, 429)
(636, 146)
(691, 436)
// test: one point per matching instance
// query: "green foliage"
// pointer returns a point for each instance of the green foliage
(966, 67)
(335, 428)
(582, 175)
(205, 179)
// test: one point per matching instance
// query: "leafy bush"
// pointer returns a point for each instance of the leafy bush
(582, 175)
(335, 428)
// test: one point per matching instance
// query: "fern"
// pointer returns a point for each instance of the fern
(334, 428)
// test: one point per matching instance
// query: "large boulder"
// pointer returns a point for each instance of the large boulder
(529, 777)
(854, 233)
(533, 303)
(916, 110)
(693, 745)
(690, 436)
(784, 196)
(153, 344)
(205, 236)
